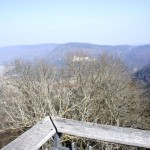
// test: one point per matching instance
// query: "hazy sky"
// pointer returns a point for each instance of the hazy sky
(61, 21)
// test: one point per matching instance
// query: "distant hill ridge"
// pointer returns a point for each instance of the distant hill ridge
(134, 56)
(9, 53)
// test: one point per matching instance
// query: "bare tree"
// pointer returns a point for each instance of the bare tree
(104, 90)
(94, 89)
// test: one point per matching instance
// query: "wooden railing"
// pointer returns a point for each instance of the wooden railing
(50, 127)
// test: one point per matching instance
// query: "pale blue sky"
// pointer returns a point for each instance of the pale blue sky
(60, 21)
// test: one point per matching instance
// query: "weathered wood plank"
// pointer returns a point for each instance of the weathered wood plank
(33, 138)
(127, 136)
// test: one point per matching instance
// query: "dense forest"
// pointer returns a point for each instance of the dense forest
(143, 75)
(100, 90)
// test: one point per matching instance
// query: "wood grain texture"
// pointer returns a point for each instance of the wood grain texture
(127, 136)
(34, 138)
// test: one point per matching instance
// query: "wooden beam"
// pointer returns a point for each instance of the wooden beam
(33, 138)
(127, 136)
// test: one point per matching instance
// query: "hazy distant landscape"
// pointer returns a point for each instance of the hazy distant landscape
(135, 57)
